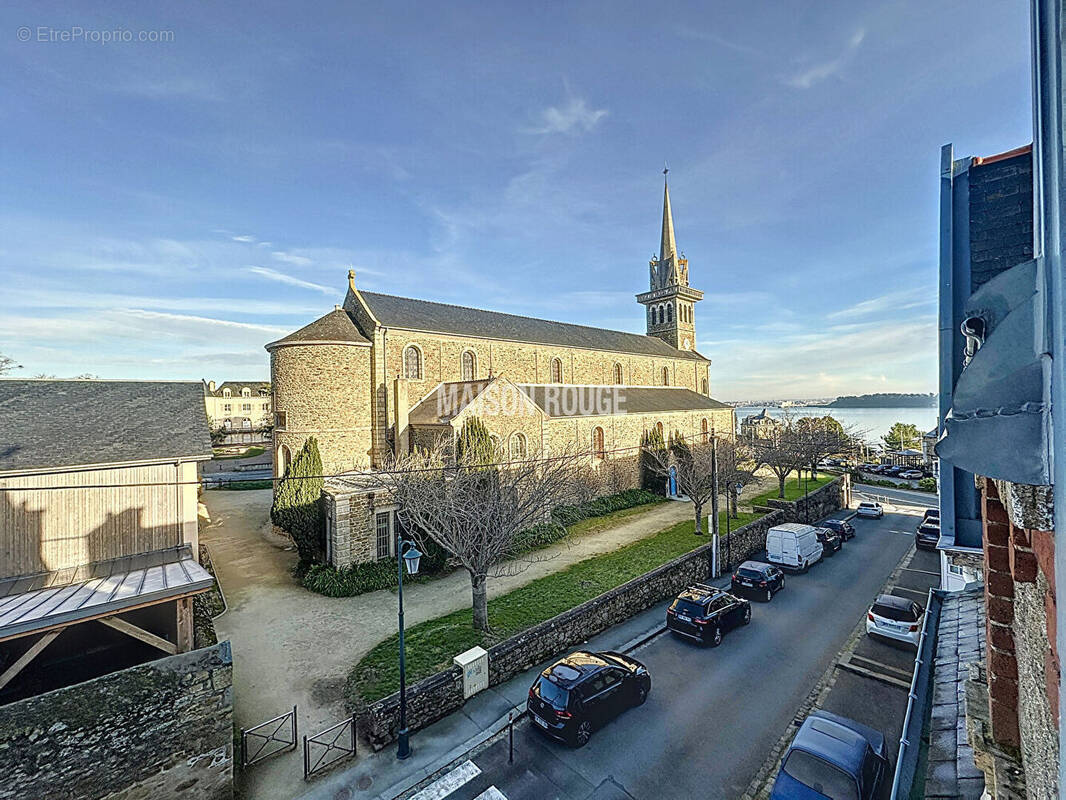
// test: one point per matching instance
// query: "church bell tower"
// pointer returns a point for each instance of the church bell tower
(670, 302)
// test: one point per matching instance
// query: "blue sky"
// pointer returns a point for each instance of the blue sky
(166, 208)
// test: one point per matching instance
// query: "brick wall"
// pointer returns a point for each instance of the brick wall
(1022, 660)
(162, 730)
(1001, 216)
(439, 695)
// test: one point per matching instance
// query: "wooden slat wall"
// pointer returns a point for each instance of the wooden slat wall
(56, 528)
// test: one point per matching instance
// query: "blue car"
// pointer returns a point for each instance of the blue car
(832, 757)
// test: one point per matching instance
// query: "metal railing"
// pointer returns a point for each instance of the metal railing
(919, 700)
(257, 741)
(329, 746)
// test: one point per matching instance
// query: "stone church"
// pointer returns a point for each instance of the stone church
(382, 374)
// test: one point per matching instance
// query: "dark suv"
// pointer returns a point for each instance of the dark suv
(845, 530)
(764, 580)
(831, 541)
(705, 613)
(927, 536)
(585, 690)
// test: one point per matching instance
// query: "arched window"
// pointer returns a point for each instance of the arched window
(662, 315)
(284, 459)
(518, 445)
(469, 365)
(246, 392)
(226, 392)
(557, 371)
(669, 312)
(659, 428)
(227, 424)
(703, 428)
(412, 363)
(703, 386)
(599, 452)
(618, 380)
(494, 441)
(666, 376)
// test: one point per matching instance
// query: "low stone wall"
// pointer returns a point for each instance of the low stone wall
(162, 730)
(439, 695)
(818, 504)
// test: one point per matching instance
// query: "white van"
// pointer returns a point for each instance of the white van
(793, 546)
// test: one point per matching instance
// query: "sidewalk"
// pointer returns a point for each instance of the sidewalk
(380, 776)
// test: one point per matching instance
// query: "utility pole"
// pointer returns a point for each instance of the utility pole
(714, 504)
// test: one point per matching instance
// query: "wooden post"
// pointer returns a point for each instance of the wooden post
(185, 625)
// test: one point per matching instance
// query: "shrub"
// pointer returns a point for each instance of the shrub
(297, 507)
(927, 484)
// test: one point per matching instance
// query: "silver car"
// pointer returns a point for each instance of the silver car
(872, 510)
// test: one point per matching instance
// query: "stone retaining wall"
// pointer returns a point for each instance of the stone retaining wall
(161, 730)
(439, 695)
(818, 504)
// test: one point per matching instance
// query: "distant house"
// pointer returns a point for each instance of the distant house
(98, 527)
(759, 426)
(240, 411)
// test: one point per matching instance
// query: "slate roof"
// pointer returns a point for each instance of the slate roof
(565, 400)
(336, 326)
(424, 315)
(76, 423)
(236, 386)
(47, 599)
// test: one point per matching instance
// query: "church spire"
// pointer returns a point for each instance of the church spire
(667, 246)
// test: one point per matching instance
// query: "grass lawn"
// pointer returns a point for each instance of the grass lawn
(793, 489)
(597, 524)
(251, 452)
(431, 645)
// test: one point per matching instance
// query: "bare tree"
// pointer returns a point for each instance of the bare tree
(821, 437)
(8, 364)
(475, 510)
(736, 465)
(693, 465)
(782, 454)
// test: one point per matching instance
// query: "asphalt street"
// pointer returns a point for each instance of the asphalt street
(713, 714)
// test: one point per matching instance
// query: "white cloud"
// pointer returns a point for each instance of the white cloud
(243, 238)
(289, 258)
(574, 116)
(819, 72)
(893, 302)
(281, 277)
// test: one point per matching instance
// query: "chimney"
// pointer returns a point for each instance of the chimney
(210, 386)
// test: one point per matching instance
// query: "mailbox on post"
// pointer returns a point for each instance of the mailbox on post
(475, 665)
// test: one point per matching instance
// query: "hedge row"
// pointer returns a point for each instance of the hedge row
(371, 576)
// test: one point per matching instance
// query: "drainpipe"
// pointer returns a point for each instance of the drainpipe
(1048, 183)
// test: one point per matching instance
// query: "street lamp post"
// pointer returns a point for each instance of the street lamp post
(411, 556)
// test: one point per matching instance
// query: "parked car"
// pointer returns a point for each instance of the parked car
(932, 514)
(911, 474)
(832, 757)
(831, 541)
(763, 579)
(927, 535)
(872, 510)
(845, 530)
(892, 472)
(867, 467)
(793, 546)
(583, 691)
(705, 613)
(895, 618)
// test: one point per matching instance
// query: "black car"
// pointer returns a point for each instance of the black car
(705, 613)
(765, 580)
(931, 515)
(831, 541)
(927, 536)
(845, 530)
(583, 691)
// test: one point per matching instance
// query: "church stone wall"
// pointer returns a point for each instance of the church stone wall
(324, 391)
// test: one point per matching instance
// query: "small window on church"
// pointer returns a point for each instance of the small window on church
(703, 386)
(557, 371)
(703, 428)
(659, 429)
(518, 446)
(666, 376)
(670, 313)
(599, 451)
(469, 366)
(412, 363)
(618, 381)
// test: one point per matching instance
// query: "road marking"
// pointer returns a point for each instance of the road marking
(445, 785)
(492, 793)
(919, 592)
(881, 666)
(905, 533)
(923, 571)
(872, 675)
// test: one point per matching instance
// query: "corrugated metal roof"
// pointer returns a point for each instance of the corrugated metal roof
(47, 599)
(424, 315)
